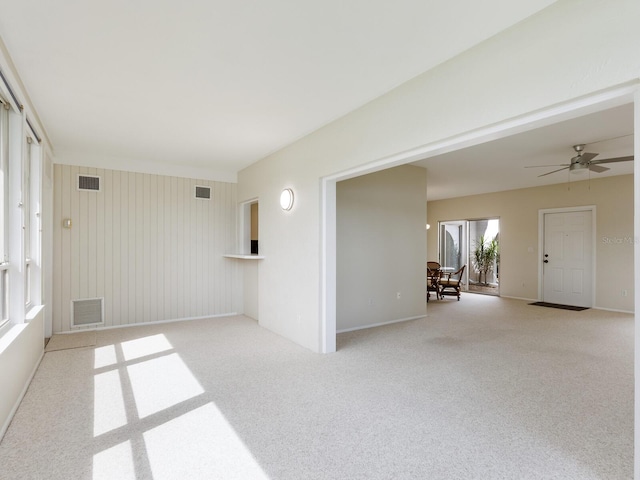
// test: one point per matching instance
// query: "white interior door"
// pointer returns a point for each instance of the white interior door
(568, 258)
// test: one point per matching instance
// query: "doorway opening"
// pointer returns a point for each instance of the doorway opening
(602, 100)
(254, 228)
(474, 243)
(249, 226)
(484, 256)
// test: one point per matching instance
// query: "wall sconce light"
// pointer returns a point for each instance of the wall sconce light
(286, 199)
(428, 226)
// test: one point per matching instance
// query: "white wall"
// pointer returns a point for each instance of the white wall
(20, 352)
(381, 247)
(251, 294)
(518, 212)
(550, 58)
(145, 244)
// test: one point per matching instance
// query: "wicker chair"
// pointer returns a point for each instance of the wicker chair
(451, 283)
(433, 277)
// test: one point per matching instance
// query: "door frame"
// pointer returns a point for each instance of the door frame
(541, 214)
(464, 246)
(469, 247)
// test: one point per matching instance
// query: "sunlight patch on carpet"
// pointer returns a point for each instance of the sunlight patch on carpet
(109, 410)
(161, 383)
(142, 347)
(200, 444)
(115, 462)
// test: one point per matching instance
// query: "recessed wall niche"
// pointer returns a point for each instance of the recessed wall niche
(254, 228)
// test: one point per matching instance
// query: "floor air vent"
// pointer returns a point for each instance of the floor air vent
(203, 192)
(88, 183)
(87, 312)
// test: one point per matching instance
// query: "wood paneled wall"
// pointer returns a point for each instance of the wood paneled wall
(145, 244)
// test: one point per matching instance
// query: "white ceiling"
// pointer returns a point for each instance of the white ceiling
(499, 165)
(220, 84)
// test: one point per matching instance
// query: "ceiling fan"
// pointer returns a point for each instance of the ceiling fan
(583, 162)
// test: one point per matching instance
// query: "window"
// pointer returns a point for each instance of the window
(31, 201)
(20, 226)
(26, 219)
(4, 213)
(4, 294)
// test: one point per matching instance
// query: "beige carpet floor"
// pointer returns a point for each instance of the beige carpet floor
(484, 388)
(71, 340)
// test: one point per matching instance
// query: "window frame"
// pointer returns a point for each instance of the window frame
(4, 213)
(26, 220)
(32, 215)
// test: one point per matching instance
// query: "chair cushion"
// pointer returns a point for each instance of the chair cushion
(450, 283)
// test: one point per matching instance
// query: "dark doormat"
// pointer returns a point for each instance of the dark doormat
(557, 305)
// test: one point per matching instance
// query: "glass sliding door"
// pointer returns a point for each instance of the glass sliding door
(474, 243)
(484, 256)
(453, 250)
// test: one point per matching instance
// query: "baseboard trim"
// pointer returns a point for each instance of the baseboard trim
(373, 325)
(521, 298)
(613, 310)
(13, 411)
(156, 322)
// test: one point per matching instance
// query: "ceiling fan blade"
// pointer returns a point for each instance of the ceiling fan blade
(612, 160)
(598, 168)
(549, 173)
(586, 157)
(555, 165)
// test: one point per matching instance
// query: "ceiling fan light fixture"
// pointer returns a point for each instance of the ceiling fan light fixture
(578, 168)
(583, 162)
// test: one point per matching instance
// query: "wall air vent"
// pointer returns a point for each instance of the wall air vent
(203, 192)
(87, 312)
(88, 183)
